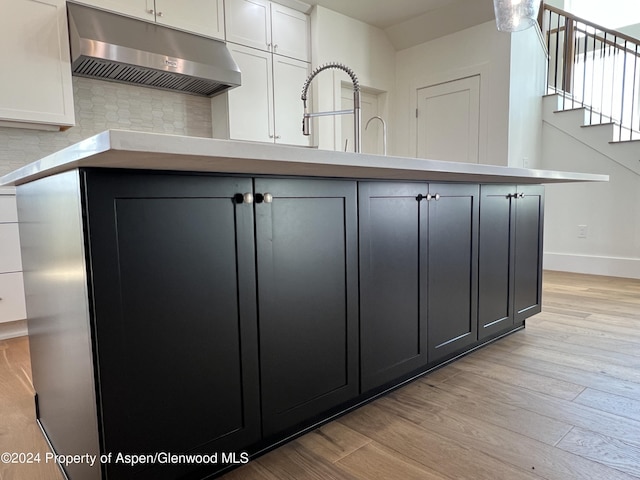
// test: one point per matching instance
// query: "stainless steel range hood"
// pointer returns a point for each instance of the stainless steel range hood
(122, 49)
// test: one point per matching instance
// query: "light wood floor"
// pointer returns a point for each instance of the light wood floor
(559, 400)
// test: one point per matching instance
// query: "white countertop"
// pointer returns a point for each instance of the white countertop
(127, 149)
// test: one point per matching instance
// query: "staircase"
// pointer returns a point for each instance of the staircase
(593, 78)
(601, 137)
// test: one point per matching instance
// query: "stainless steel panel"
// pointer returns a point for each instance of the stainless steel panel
(53, 255)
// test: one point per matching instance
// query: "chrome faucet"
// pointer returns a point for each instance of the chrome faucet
(306, 127)
(384, 131)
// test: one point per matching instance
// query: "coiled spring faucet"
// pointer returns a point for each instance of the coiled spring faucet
(306, 127)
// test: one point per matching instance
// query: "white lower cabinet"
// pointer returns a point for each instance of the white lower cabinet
(36, 88)
(12, 304)
(267, 107)
(12, 301)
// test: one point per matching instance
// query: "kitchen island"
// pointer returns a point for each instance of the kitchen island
(198, 296)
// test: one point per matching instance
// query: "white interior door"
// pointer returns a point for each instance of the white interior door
(371, 138)
(449, 120)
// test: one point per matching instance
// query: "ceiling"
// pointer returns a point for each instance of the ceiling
(411, 22)
(382, 13)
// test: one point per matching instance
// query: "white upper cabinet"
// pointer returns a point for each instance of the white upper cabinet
(251, 105)
(268, 26)
(288, 77)
(132, 8)
(267, 107)
(35, 79)
(204, 17)
(289, 32)
(249, 23)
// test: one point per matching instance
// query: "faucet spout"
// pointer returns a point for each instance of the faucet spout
(357, 122)
(384, 131)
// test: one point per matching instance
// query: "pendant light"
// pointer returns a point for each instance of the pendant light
(515, 15)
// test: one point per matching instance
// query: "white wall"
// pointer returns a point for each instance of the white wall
(632, 30)
(363, 48)
(611, 211)
(527, 86)
(478, 50)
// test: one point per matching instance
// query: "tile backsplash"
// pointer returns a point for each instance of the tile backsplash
(101, 105)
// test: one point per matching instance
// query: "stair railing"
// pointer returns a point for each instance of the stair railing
(593, 67)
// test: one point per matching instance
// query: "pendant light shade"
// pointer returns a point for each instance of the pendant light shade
(515, 15)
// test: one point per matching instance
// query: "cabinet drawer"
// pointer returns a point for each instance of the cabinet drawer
(10, 260)
(8, 209)
(12, 305)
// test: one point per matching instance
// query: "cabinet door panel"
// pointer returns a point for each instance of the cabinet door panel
(307, 298)
(36, 79)
(495, 301)
(205, 17)
(12, 301)
(392, 318)
(174, 303)
(248, 23)
(142, 9)
(288, 77)
(290, 32)
(528, 252)
(251, 105)
(452, 277)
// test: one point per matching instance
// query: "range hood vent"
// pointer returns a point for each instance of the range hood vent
(121, 49)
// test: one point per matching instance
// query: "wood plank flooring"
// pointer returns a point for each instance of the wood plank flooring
(559, 400)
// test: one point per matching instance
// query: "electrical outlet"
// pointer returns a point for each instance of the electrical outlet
(582, 231)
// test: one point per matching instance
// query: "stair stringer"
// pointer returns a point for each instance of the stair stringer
(598, 137)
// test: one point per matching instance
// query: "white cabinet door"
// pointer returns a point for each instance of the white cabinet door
(249, 23)
(143, 9)
(204, 17)
(10, 260)
(290, 32)
(251, 105)
(289, 76)
(12, 301)
(35, 78)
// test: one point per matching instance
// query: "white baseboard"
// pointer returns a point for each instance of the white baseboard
(592, 265)
(13, 329)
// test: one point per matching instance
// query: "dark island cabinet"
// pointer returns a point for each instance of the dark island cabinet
(306, 239)
(225, 306)
(193, 313)
(453, 272)
(510, 261)
(173, 281)
(418, 276)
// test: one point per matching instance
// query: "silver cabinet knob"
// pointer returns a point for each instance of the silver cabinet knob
(275, 47)
(268, 198)
(247, 198)
(151, 11)
(436, 196)
(521, 195)
(277, 137)
(160, 14)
